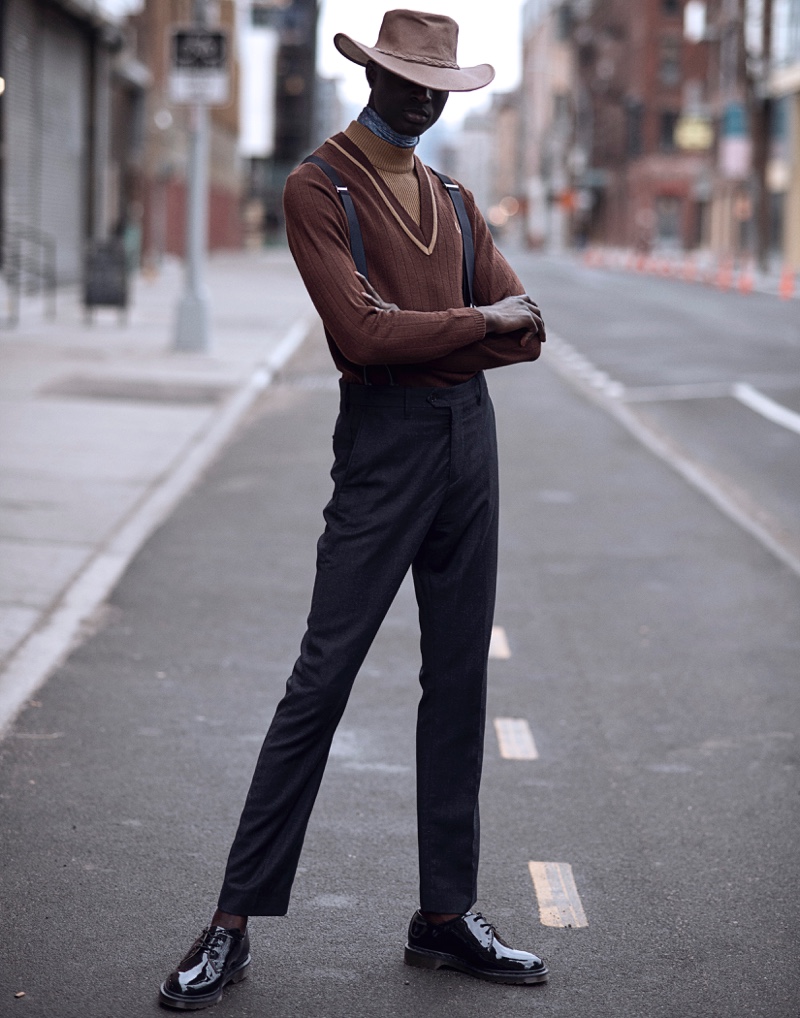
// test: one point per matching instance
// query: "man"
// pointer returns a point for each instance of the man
(415, 486)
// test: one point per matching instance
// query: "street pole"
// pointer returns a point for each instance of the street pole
(759, 108)
(192, 321)
(763, 103)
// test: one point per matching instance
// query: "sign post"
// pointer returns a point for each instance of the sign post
(199, 76)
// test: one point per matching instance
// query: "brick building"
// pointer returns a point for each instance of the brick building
(643, 135)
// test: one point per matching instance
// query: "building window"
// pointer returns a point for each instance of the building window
(668, 220)
(699, 236)
(564, 22)
(777, 217)
(669, 65)
(666, 134)
(634, 123)
(779, 121)
(562, 111)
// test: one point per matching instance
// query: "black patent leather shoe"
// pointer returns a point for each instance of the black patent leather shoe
(216, 958)
(472, 945)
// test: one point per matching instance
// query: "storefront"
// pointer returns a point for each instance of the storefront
(59, 187)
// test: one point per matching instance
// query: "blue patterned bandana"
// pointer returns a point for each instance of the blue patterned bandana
(370, 119)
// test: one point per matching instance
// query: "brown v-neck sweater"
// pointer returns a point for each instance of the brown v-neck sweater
(433, 340)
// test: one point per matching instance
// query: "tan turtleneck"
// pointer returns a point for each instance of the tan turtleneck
(395, 166)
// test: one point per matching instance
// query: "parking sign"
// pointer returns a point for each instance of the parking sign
(199, 69)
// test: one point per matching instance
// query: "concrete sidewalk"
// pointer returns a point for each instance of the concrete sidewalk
(103, 428)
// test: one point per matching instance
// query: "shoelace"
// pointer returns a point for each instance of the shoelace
(485, 923)
(210, 941)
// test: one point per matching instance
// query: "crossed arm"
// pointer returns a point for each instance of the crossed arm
(507, 315)
(495, 334)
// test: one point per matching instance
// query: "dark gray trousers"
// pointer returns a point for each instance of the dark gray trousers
(415, 485)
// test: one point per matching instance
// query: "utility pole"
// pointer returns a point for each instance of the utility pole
(192, 332)
(759, 106)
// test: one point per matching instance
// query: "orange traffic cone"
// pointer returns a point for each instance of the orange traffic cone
(786, 285)
(746, 278)
(725, 274)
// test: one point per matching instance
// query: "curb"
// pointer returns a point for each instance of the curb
(59, 632)
(597, 387)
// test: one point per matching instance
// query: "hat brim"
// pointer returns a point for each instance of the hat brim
(441, 79)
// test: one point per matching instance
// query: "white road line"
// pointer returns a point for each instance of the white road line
(728, 500)
(559, 901)
(670, 393)
(515, 739)
(775, 412)
(498, 646)
(582, 368)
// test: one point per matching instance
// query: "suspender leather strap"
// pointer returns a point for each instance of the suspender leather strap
(466, 237)
(356, 240)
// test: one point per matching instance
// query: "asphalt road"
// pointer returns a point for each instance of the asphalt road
(654, 653)
(675, 354)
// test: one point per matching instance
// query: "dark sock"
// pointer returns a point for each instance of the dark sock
(228, 921)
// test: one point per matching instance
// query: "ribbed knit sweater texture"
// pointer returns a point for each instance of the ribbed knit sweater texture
(414, 261)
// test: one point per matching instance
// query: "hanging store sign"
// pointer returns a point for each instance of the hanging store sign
(199, 71)
(694, 134)
(735, 158)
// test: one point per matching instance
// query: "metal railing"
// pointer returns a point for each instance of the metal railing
(29, 267)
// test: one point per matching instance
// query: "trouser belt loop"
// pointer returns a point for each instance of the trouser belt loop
(481, 382)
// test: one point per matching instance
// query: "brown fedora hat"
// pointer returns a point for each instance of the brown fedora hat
(418, 47)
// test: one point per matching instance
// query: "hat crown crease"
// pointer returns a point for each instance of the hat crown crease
(419, 38)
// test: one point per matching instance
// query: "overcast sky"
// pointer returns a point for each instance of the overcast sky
(489, 34)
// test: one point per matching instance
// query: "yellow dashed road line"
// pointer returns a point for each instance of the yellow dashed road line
(498, 647)
(515, 739)
(559, 902)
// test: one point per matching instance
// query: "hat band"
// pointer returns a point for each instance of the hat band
(428, 61)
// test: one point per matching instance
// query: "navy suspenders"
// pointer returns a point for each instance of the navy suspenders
(357, 241)
(467, 245)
